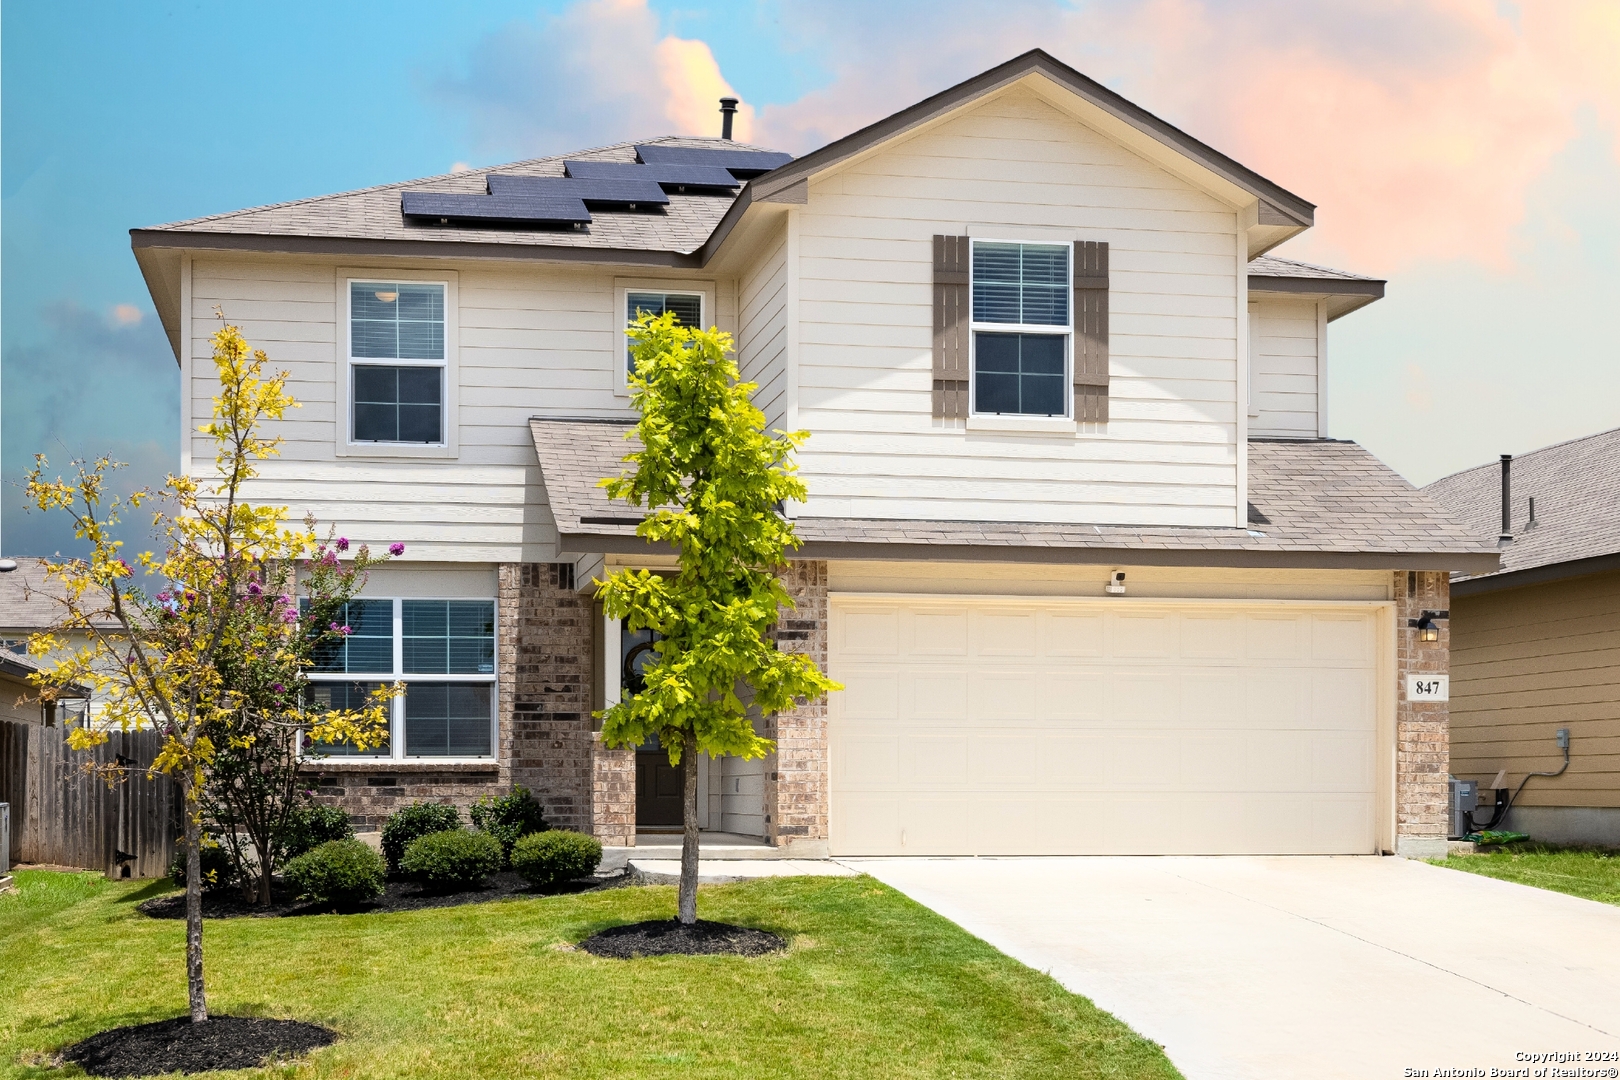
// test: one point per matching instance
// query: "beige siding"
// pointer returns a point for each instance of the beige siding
(763, 329)
(1014, 167)
(1526, 662)
(1162, 582)
(1285, 369)
(533, 342)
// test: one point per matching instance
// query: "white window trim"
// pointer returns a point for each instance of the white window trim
(396, 723)
(623, 287)
(343, 421)
(1030, 422)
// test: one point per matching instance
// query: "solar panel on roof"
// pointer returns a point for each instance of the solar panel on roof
(526, 209)
(669, 176)
(617, 192)
(741, 163)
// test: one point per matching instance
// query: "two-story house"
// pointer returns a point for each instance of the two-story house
(1077, 543)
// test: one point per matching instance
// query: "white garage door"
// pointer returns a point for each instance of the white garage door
(1003, 727)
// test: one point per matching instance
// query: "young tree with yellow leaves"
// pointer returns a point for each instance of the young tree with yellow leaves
(714, 482)
(214, 659)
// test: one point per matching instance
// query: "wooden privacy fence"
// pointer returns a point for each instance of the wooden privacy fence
(63, 815)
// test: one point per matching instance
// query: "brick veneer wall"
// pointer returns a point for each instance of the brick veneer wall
(613, 794)
(796, 774)
(544, 666)
(369, 794)
(1422, 729)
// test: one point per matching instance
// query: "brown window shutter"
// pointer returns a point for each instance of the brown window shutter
(1091, 331)
(951, 316)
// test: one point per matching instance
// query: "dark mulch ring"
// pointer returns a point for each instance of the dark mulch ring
(178, 1045)
(668, 937)
(398, 896)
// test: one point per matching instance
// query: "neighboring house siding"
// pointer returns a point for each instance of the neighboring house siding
(532, 342)
(763, 329)
(1526, 662)
(1286, 351)
(1016, 168)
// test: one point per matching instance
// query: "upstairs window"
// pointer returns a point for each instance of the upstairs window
(688, 309)
(1022, 324)
(397, 361)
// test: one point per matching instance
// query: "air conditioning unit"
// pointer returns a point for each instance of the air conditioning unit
(1464, 801)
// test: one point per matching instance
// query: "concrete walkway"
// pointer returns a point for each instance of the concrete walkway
(1260, 968)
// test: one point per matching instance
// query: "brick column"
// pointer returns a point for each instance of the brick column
(545, 686)
(613, 794)
(796, 779)
(1422, 729)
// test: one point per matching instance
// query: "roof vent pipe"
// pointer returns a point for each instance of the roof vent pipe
(728, 109)
(1507, 500)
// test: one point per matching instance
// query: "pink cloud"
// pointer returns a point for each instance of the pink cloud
(1418, 128)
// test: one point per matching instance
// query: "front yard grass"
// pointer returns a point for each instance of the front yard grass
(1590, 873)
(873, 985)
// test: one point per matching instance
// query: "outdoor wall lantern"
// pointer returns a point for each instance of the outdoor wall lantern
(1427, 628)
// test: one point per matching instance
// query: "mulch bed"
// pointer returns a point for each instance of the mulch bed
(668, 937)
(398, 896)
(178, 1045)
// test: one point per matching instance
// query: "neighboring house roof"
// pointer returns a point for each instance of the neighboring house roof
(26, 602)
(1576, 486)
(1318, 502)
(1344, 291)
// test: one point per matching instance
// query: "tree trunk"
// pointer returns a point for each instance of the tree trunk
(689, 835)
(265, 870)
(194, 957)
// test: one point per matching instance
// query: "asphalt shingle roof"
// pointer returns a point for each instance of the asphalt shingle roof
(1271, 266)
(374, 213)
(25, 597)
(1576, 486)
(1322, 496)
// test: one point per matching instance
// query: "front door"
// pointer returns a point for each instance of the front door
(659, 787)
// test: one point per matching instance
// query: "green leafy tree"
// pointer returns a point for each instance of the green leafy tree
(212, 659)
(714, 482)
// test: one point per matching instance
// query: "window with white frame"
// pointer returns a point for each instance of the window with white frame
(444, 653)
(1022, 322)
(688, 309)
(396, 361)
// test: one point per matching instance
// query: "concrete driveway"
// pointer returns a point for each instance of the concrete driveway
(1254, 968)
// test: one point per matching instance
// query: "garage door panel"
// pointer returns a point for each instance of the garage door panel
(938, 695)
(932, 762)
(1024, 727)
(1070, 695)
(1142, 635)
(1070, 634)
(1065, 763)
(938, 633)
(1209, 637)
(1003, 633)
(1213, 699)
(1002, 761)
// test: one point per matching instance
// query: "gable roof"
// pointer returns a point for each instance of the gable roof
(26, 597)
(1318, 503)
(1576, 485)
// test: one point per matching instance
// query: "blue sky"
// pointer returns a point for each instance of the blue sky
(1491, 213)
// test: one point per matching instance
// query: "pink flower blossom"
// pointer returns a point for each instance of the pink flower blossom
(396, 549)
(278, 688)
(289, 615)
(255, 589)
(343, 543)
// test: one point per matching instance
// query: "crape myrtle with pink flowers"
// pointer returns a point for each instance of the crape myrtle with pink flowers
(212, 652)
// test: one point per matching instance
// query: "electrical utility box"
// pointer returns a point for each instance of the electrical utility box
(1464, 801)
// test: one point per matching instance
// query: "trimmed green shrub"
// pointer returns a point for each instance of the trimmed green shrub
(218, 871)
(410, 822)
(308, 827)
(551, 858)
(452, 860)
(343, 873)
(508, 818)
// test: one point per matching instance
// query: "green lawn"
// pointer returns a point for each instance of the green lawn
(872, 986)
(1585, 872)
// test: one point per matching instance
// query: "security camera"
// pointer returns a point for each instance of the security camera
(1116, 584)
